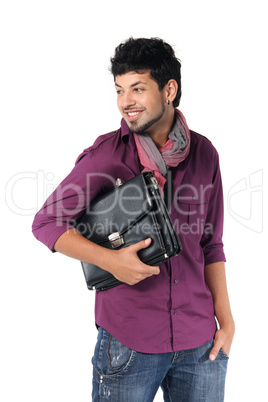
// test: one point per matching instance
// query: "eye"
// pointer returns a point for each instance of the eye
(119, 91)
(138, 89)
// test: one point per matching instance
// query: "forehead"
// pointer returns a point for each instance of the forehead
(132, 78)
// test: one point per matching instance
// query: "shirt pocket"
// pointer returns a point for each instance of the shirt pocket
(191, 211)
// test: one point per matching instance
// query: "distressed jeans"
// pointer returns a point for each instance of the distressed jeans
(123, 375)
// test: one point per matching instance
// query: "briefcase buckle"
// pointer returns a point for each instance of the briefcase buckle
(154, 182)
(116, 239)
(119, 182)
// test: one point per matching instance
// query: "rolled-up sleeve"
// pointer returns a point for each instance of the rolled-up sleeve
(211, 241)
(68, 201)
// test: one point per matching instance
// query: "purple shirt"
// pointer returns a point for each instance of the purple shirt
(174, 310)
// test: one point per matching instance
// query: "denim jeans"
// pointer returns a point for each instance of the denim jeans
(123, 375)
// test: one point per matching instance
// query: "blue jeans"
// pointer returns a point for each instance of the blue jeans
(123, 375)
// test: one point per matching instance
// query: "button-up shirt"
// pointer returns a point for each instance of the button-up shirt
(174, 310)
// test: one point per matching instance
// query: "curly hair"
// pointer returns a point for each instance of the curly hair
(151, 54)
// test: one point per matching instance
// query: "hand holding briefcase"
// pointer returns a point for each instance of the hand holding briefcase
(133, 211)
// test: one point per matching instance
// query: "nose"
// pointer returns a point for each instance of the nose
(127, 99)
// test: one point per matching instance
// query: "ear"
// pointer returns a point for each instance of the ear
(171, 89)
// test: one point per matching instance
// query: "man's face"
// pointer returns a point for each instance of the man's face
(140, 102)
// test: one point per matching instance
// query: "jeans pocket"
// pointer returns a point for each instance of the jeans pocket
(223, 354)
(118, 354)
(111, 357)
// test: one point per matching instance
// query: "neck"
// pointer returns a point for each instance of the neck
(159, 131)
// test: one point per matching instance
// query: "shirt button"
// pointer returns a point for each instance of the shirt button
(175, 280)
(175, 312)
(194, 197)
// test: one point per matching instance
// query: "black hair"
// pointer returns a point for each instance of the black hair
(151, 54)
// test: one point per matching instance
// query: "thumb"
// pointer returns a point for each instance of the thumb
(142, 244)
(214, 351)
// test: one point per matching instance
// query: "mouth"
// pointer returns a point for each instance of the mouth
(133, 114)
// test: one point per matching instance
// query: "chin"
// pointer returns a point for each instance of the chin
(139, 129)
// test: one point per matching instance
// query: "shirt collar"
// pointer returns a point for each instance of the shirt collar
(125, 132)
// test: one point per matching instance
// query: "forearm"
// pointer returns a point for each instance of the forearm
(215, 277)
(124, 264)
(74, 245)
(216, 280)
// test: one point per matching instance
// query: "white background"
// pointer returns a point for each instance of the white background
(57, 96)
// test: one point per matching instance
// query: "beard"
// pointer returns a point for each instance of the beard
(135, 128)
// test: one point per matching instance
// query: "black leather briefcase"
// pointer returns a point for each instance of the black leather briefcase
(133, 211)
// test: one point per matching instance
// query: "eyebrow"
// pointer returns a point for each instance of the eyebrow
(133, 85)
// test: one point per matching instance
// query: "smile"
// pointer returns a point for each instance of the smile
(133, 115)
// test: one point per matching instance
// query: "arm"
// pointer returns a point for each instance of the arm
(214, 270)
(124, 264)
(216, 280)
(53, 224)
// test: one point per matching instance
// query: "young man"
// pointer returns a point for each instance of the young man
(158, 328)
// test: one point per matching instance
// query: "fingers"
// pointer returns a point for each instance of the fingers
(129, 268)
(219, 341)
(141, 244)
(151, 270)
(214, 351)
